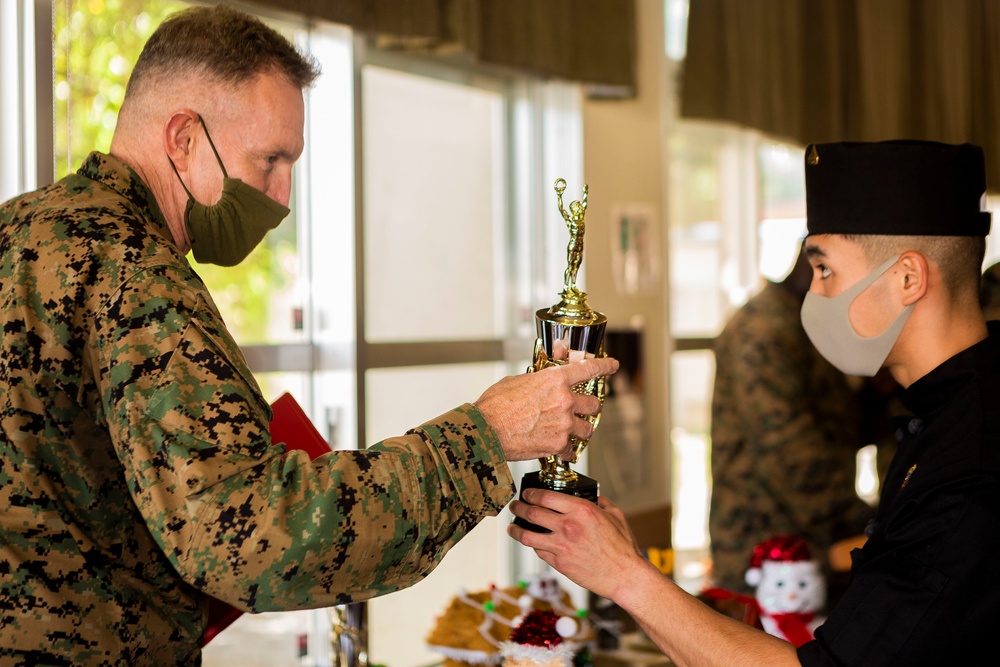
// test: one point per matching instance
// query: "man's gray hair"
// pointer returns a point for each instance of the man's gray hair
(221, 43)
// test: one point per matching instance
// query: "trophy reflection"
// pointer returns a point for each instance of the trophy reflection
(568, 331)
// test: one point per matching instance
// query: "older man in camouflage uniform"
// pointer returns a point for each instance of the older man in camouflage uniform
(786, 427)
(137, 473)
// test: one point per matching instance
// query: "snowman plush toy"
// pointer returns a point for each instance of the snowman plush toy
(790, 588)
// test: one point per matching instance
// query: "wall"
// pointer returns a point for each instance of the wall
(624, 166)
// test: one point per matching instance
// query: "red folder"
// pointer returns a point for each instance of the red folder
(292, 426)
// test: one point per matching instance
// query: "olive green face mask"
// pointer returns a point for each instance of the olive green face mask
(228, 230)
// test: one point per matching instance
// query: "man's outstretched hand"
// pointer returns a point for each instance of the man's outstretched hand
(534, 414)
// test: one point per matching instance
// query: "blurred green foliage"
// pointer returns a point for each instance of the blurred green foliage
(96, 43)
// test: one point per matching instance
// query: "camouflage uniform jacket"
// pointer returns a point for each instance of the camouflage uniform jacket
(137, 474)
(785, 433)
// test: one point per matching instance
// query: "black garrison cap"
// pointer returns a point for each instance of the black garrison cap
(903, 188)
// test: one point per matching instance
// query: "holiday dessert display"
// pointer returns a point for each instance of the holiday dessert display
(790, 589)
(474, 625)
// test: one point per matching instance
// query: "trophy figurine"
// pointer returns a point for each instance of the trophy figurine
(568, 331)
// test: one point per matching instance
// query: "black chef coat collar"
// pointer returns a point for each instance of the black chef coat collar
(936, 387)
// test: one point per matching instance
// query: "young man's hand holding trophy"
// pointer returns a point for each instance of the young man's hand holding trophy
(568, 331)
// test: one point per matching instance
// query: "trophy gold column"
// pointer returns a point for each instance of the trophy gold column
(568, 331)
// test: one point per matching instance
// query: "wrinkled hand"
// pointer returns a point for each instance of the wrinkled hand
(535, 413)
(591, 544)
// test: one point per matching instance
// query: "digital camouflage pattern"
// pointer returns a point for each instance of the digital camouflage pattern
(786, 427)
(137, 475)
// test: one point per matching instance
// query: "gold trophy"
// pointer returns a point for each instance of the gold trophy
(568, 331)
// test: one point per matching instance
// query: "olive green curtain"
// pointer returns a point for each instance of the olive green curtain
(588, 41)
(849, 70)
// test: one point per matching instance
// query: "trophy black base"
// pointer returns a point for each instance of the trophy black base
(583, 487)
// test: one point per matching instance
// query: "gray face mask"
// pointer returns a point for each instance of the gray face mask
(827, 323)
(228, 230)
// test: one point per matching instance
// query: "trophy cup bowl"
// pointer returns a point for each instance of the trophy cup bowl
(566, 332)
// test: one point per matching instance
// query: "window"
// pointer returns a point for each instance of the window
(25, 87)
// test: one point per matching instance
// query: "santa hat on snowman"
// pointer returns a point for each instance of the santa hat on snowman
(542, 638)
(790, 589)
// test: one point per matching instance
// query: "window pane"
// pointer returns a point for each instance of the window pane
(691, 377)
(675, 14)
(24, 127)
(399, 399)
(783, 208)
(326, 179)
(696, 305)
(95, 46)
(433, 222)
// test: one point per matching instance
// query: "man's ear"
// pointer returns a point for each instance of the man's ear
(178, 132)
(913, 277)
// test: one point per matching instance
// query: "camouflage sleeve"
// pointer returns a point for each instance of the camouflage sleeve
(784, 410)
(247, 522)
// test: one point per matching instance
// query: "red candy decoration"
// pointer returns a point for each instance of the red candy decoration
(537, 629)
